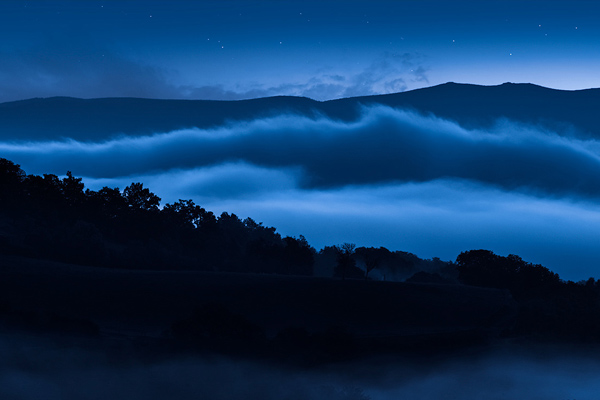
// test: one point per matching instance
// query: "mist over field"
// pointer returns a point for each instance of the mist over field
(392, 178)
(31, 368)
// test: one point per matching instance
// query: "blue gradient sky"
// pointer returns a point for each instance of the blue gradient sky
(229, 49)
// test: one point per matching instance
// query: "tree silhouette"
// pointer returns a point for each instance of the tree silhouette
(370, 257)
(298, 256)
(345, 261)
(139, 198)
(187, 214)
(11, 178)
(484, 268)
(11, 174)
(109, 202)
(72, 189)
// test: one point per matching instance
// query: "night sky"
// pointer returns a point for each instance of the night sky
(231, 49)
(273, 170)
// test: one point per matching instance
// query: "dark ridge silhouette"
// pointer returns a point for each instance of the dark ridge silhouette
(472, 106)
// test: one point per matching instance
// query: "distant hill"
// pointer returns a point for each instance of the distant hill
(472, 106)
(475, 106)
(97, 119)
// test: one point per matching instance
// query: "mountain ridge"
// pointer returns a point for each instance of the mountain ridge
(471, 106)
(446, 84)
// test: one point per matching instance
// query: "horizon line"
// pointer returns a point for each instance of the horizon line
(303, 97)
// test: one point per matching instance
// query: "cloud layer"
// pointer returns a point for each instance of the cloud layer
(385, 145)
(392, 178)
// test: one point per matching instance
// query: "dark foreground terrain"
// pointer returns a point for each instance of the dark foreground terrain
(172, 306)
(76, 332)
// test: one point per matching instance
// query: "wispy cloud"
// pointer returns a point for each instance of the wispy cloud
(387, 73)
(79, 66)
(227, 181)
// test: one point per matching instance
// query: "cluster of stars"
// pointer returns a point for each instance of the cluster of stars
(218, 42)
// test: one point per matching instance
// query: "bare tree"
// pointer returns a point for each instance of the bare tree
(345, 261)
(371, 258)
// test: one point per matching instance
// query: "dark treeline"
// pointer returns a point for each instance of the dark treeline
(58, 219)
(52, 218)
(347, 261)
(548, 306)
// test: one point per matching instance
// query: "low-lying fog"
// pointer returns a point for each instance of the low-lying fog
(32, 369)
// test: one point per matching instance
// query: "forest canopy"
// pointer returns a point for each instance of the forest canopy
(57, 218)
